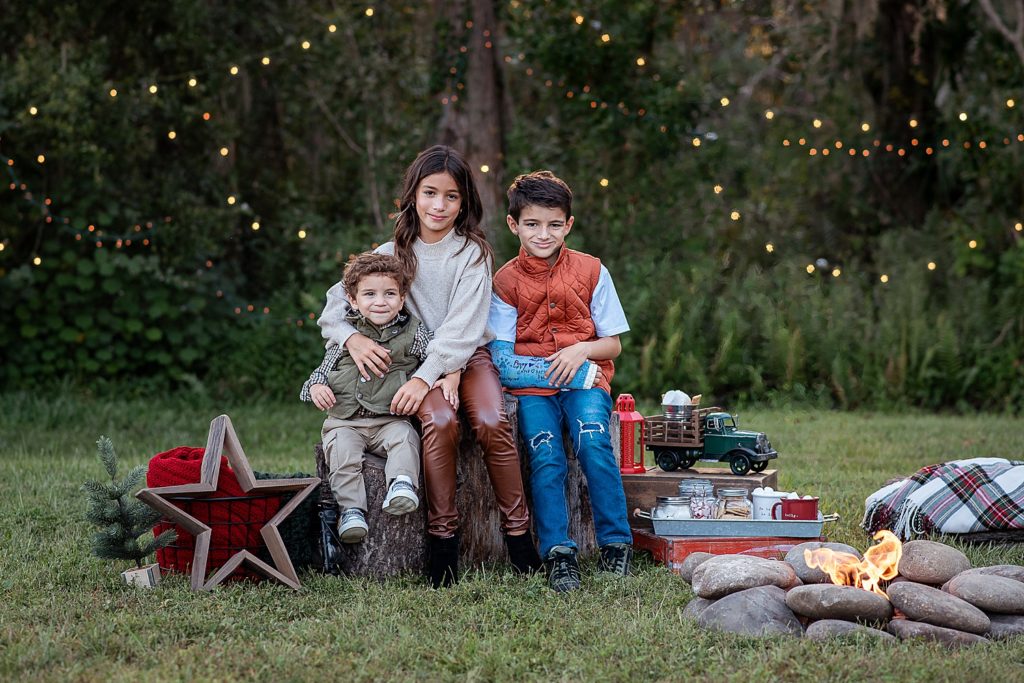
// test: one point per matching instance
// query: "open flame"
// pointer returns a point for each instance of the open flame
(881, 563)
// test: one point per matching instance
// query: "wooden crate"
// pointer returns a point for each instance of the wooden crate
(672, 550)
(642, 490)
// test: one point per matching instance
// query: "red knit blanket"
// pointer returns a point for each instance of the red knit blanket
(235, 524)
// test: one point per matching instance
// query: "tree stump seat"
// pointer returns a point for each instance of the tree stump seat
(397, 545)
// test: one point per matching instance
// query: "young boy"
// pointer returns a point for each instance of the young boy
(560, 304)
(359, 415)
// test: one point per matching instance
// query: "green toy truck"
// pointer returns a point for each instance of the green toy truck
(707, 434)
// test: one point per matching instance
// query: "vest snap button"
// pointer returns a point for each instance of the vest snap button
(552, 304)
(359, 395)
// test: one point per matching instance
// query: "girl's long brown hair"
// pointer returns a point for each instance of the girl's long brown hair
(439, 159)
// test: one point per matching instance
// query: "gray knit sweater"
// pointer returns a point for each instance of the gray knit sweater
(450, 293)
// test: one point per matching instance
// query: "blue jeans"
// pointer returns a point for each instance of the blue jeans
(586, 412)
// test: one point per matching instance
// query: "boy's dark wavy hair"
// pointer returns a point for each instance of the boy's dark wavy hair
(540, 188)
(439, 159)
(369, 263)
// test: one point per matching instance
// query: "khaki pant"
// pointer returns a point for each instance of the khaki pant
(345, 441)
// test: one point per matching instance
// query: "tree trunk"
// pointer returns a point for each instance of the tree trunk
(472, 120)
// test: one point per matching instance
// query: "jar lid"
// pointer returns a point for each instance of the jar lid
(673, 500)
(732, 492)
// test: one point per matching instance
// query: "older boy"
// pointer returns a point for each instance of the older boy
(560, 304)
(358, 411)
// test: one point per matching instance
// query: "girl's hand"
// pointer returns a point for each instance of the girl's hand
(449, 385)
(408, 398)
(323, 397)
(565, 363)
(368, 355)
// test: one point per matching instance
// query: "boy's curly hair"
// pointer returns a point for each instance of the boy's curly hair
(540, 188)
(369, 263)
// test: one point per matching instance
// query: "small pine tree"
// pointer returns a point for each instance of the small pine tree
(122, 519)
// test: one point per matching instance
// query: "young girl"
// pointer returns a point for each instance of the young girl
(438, 238)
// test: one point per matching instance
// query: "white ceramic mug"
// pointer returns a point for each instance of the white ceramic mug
(763, 503)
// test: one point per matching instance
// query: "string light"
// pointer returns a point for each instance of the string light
(769, 115)
(816, 123)
(579, 19)
(224, 151)
(1010, 103)
(1019, 227)
(332, 28)
(231, 200)
(233, 70)
(724, 101)
(810, 268)
(640, 61)
(836, 272)
(41, 158)
(963, 116)
(718, 189)
(931, 265)
(883, 278)
(302, 234)
(865, 127)
(192, 82)
(33, 111)
(369, 11)
(484, 168)
(153, 89)
(265, 61)
(171, 134)
(255, 225)
(913, 123)
(696, 142)
(769, 247)
(735, 215)
(605, 37)
(604, 182)
(37, 261)
(305, 45)
(113, 92)
(973, 244)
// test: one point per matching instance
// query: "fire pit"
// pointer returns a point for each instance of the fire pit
(918, 590)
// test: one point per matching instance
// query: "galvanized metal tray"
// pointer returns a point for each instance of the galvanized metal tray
(739, 528)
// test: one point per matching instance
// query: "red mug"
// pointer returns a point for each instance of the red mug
(796, 508)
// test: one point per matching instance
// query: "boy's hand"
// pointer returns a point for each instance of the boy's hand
(323, 397)
(368, 355)
(409, 396)
(565, 363)
(449, 385)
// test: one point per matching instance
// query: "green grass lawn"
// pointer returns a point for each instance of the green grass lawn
(65, 615)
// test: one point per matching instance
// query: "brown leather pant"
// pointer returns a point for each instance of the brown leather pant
(480, 400)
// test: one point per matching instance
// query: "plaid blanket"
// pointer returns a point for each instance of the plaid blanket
(958, 497)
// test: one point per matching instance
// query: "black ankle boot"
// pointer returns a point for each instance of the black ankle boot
(522, 553)
(443, 561)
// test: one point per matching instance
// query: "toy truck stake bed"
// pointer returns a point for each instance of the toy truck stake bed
(707, 434)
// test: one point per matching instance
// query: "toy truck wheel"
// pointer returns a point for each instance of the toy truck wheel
(687, 463)
(668, 460)
(759, 466)
(739, 463)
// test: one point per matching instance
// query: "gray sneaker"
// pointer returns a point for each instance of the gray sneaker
(401, 498)
(563, 569)
(352, 526)
(616, 558)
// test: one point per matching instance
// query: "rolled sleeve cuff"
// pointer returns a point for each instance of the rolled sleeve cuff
(431, 370)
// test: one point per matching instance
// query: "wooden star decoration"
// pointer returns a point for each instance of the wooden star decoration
(223, 440)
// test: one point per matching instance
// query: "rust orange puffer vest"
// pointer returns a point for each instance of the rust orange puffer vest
(553, 303)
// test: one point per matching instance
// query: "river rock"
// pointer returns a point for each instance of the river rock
(837, 628)
(795, 558)
(692, 561)
(1005, 626)
(694, 608)
(827, 601)
(932, 606)
(1007, 571)
(988, 592)
(931, 562)
(904, 629)
(725, 574)
(759, 611)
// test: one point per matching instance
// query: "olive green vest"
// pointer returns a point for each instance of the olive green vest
(351, 392)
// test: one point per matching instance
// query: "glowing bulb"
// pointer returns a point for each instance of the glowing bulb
(696, 142)
(963, 116)
(883, 278)
(41, 158)
(816, 123)
(769, 115)
(836, 272)
(604, 182)
(332, 28)
(1019, 227)
(206, 116)
(484, 168)
(724, 101)
(153, 89)
(4, 246)
(640, 61)
(579, 18)
(735, 215)
(931, 265)
(973, 244)
(718, 189)
(171, 134)
(369, 11)
(1010, 103)
(605, 37)
(913, 123)
(192, 82)
(33, 111)
(865, 127)
(37, 260)
(810, 268)
(769, 247)
(231, 200)
(265, 61)
(223, 151)
(113, 92)
(305, 45)
(302, 234)
(233, 70)
(255, 225)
